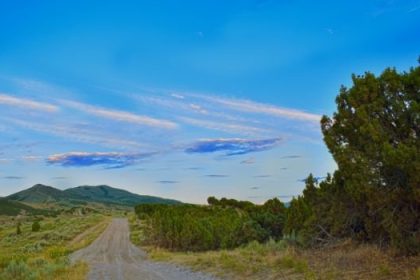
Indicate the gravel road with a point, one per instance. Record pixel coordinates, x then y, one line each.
113 256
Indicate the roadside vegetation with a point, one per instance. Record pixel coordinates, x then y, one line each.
225 224
361 222
37 247
282 260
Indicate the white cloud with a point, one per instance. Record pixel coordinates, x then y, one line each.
177 96
87 134
27 104
232 128
117 115
261 108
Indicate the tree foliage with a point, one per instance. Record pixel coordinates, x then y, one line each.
375 193
225 223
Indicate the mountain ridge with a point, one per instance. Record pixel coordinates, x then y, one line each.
104 194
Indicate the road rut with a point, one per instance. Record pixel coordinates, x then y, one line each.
113 256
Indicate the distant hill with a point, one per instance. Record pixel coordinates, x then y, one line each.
12 208
106 194
41 194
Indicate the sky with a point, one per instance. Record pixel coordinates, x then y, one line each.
185 99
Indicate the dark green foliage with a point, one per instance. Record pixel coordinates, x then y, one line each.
36 226
374 195
12 208
84 194
227 223
108 195
18 230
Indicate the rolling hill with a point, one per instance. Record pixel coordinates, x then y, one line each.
41 194
106 194
12 208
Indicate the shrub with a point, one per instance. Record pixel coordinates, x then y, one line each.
17 270
225 224
56 252
18 230
36 226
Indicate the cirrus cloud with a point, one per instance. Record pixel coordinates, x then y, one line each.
27 104
117 115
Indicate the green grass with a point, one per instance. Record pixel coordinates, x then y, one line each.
13 208
44 254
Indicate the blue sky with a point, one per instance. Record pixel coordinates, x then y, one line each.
184 99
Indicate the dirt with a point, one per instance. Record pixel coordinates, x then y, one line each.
113 256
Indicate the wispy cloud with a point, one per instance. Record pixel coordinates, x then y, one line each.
80 133
31 158
122 116
235 146
262 176
13 177
262 108
27 103
248 161
194 168
217 175
178 96
231 128
292 156
107 159
168 182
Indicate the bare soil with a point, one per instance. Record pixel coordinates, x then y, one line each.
113 256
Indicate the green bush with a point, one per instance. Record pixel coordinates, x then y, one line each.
36 226
18 230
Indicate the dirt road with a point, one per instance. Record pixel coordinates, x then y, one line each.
113 256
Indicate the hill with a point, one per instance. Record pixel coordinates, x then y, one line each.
42 194
12 208
106 194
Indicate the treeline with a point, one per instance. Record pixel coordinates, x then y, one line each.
224 224
373 196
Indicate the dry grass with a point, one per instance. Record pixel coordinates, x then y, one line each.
85 238
347 260
277 260
43 254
